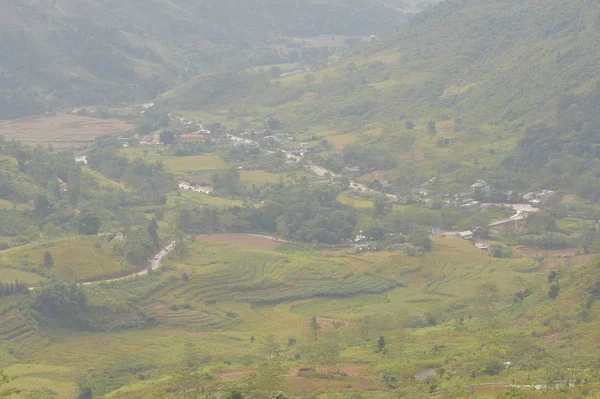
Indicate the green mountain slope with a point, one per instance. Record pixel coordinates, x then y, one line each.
482 71
66 51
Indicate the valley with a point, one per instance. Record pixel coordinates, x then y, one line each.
319 199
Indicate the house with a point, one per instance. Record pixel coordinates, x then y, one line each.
482 246
192 137
150 140
352 169
423 192
465 235
480 187
199 189
82 160
63 184
538 198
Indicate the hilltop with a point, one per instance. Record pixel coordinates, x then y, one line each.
94 52
458 92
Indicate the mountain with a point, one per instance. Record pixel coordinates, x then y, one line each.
478 76
57 52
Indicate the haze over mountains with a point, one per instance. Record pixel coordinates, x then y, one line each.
63 51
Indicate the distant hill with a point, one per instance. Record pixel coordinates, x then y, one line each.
481 73
68 51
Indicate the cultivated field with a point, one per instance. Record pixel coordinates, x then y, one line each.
247 240
233 295
9 275
201 198
198 163
262 177
62 129
86 257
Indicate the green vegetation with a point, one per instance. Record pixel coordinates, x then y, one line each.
122 52
331 277
182 165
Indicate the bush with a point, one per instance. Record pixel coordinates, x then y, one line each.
553 290
494 367
501 251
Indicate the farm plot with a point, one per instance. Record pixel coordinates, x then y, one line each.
81 258
262 177
198 163
62 129
247 240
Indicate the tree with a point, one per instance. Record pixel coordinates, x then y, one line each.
50 230
62 302
167 137
89 224
553 290
314 326
380 345
274 124
270 347
85 393
42 205
268 379
48 260
431 128
488 293
153 230
381 206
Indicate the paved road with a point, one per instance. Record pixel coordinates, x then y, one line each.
155 264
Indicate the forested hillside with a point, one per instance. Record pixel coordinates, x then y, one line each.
72 52
457 87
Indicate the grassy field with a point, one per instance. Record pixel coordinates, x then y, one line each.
5 204
7 275
183 165
102 180
62 129
89 257
355 202
201 198
262 177
222 306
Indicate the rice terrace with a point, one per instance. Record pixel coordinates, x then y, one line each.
300 199
62 129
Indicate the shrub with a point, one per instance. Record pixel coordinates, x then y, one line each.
553 290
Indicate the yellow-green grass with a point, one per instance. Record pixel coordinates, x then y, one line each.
450 274
202 198
198 163
8 275
89 257
5 204
355 202
339 141
144 153
262 177
103 180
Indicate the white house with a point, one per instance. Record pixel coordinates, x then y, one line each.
465 235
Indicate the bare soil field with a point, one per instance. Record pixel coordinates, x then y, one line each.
63 129
248 240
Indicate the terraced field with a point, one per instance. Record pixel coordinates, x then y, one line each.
19 333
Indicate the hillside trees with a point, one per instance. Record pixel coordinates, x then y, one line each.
140 244
61 303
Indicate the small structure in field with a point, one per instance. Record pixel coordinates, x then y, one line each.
482 246
465 235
